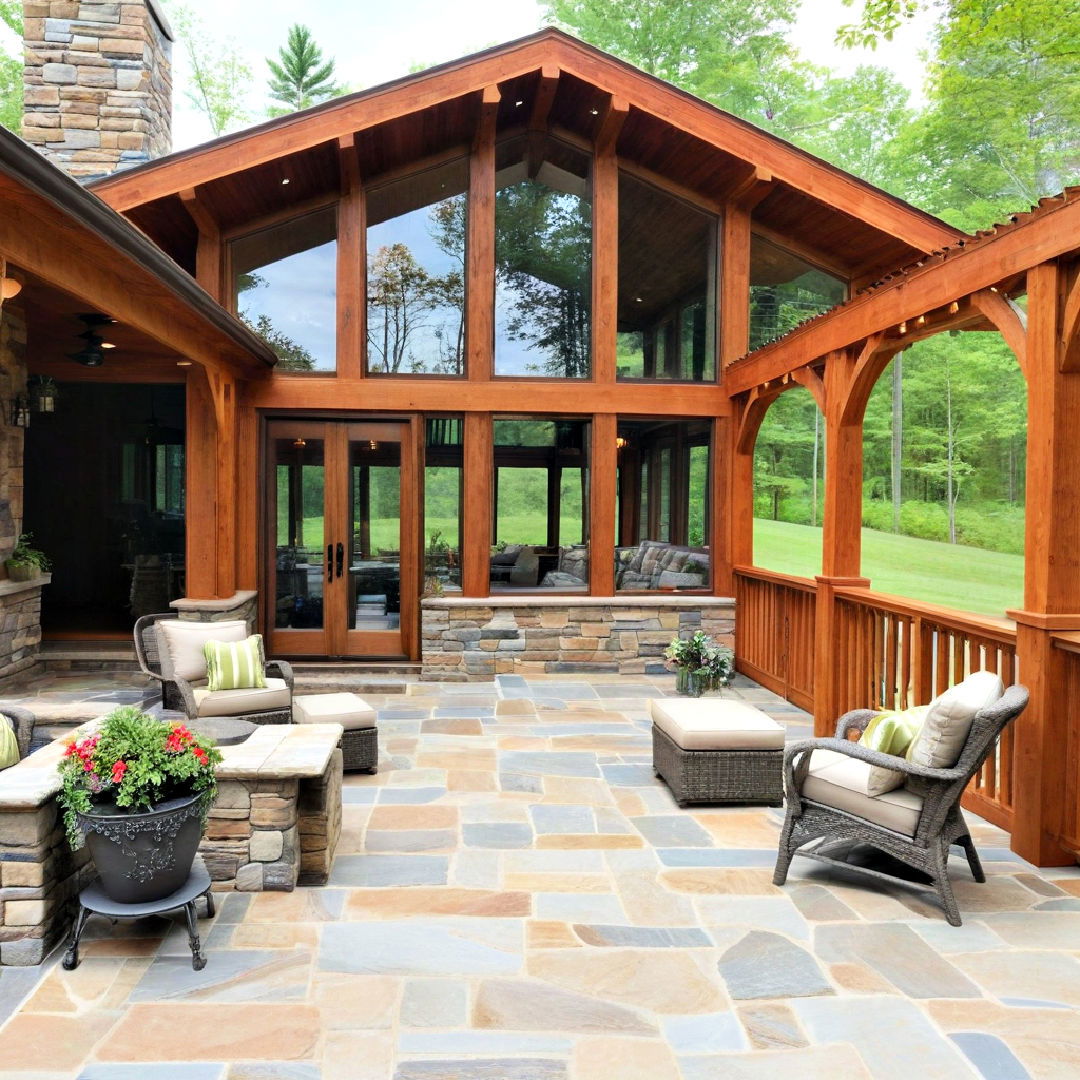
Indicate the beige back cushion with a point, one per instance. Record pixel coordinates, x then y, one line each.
182 644
948 720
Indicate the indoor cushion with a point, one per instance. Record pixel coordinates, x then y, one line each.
841 782
891 733
948 720
716 724
181 644
351 711
235 665
274 695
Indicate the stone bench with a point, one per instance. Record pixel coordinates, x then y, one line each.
360 739
710 750
275 824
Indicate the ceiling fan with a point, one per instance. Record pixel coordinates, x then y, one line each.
92 353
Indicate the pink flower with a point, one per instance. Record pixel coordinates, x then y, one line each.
118 771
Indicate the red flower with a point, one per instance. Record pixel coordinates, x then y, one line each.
200 755
118 771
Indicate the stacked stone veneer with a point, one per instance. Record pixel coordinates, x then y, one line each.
40 879
467 639
274 834
97 83
20 602
242 605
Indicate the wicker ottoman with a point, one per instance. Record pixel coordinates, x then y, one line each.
360 740
708 750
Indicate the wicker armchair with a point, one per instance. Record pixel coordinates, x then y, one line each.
936 800
179 695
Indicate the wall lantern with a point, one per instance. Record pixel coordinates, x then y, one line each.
621 443
43 393
9 288
18 412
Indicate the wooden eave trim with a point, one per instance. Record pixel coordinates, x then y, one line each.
954 276
546 50
99 226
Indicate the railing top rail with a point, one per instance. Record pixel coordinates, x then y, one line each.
986 626
759 573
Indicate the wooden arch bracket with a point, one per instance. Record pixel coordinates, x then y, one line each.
1009 319
1070 322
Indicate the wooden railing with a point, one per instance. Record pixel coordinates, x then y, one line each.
887 653
774 632
891 653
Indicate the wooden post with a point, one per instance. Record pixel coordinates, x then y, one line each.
1051 579
841 540
477 511
734 284
351 266
200 504
480 246
604 464
605 269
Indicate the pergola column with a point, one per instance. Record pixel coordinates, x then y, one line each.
841 540
1051 580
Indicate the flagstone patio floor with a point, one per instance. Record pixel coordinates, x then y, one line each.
517 897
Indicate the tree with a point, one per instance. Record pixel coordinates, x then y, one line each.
1002 127
11 69
300 78
291 355
879 19
219 76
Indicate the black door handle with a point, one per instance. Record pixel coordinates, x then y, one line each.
340 559
329 562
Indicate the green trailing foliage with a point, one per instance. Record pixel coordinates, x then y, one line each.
11 68
131 764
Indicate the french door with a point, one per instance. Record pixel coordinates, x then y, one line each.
342 538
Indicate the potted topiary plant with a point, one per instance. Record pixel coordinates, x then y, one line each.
699 663
138 791
26 563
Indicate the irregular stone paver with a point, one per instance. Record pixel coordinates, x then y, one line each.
517 897
766 965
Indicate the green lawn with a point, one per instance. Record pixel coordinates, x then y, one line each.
952 575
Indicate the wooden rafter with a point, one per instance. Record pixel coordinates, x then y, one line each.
546 88
348 163
1070 323
609 123
749 188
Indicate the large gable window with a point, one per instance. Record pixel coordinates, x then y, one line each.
416 273
667 286
285 287
543 259
786 290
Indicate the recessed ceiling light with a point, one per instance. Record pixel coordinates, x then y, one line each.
518 104
183 363
285 181
595 112
638 300
107 345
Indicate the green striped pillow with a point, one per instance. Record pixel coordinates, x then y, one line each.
235 665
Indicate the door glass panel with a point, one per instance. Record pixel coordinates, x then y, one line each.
374 594
300 564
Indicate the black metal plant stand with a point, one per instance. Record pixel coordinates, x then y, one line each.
93 901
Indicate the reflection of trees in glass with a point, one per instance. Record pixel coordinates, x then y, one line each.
543 269
776 309
407 303
291 355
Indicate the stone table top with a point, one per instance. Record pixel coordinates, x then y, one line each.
273 752
281 752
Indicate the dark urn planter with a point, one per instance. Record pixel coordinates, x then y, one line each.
145 856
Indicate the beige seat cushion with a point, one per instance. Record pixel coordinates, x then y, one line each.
841 782
349 710
948 720
716 724
181 644
274 695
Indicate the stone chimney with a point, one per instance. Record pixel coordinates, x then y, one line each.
97 83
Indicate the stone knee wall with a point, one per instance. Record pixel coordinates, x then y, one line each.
319 823
476 639
243 605
40 879
251 836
